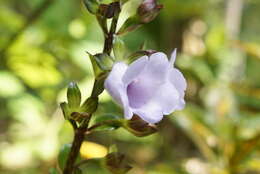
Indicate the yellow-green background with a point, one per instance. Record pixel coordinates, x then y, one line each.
218 51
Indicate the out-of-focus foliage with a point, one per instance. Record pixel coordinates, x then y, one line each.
217 133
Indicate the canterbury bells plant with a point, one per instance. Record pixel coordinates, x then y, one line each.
150 87
147 89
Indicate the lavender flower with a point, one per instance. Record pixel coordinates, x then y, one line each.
150 87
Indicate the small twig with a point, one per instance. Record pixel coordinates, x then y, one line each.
108 45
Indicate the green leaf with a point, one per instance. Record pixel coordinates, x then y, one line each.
90 105
63 155
91 5
108 122
53 171
73 95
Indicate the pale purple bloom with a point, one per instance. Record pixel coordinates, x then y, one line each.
150 87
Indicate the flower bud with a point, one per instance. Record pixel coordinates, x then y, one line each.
79 117
116 163
139 128
119 48
148 10
73 95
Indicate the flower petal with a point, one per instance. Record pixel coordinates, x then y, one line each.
179 82
135 69
117 89
173 57
151 112
156 68
141 88
167 97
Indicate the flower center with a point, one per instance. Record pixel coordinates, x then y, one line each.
138 93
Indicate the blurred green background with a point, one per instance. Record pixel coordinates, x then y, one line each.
42 49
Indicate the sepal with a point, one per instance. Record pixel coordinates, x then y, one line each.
139 128
90 105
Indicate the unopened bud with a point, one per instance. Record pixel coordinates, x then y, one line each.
73 95
148 10
116 163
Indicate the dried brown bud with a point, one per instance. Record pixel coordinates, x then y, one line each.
148 10
139 128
